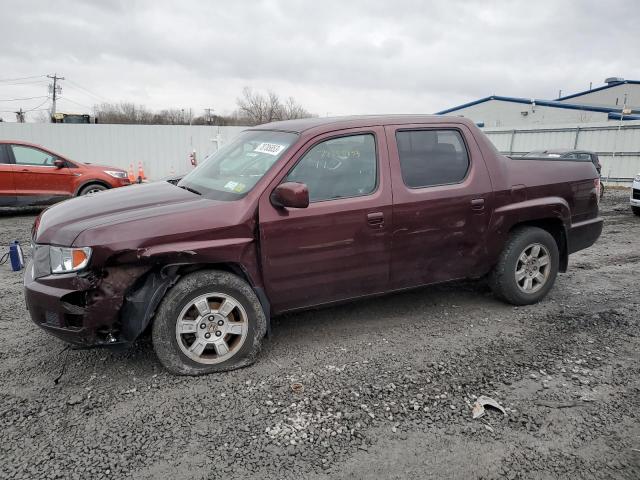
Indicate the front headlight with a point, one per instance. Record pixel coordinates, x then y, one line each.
637 178
64 260
116 173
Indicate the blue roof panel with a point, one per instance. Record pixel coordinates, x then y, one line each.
604 87
544 103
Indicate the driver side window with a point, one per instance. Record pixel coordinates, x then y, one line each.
338 168
31 156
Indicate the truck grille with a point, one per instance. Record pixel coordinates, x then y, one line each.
636 194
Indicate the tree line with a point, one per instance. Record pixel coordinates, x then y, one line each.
253 108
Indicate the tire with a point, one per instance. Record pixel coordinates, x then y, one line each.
241 329
91 188
503 277
636 211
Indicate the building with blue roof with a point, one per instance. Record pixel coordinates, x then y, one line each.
617 100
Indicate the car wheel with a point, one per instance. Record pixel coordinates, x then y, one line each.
636 210
527 267
92 188
210 321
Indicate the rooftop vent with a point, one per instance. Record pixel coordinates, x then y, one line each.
611 80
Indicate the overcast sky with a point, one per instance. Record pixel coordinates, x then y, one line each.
334 57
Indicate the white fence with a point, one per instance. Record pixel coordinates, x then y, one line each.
162 149
617 144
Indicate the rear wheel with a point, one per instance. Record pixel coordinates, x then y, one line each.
636 210
211 321
527 267
92 188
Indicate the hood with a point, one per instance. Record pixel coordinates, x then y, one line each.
132 217
95 166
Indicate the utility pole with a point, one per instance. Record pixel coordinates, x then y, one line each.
20 116
55 91
208 117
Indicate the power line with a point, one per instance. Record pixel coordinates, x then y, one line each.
80 87
35 109
29 82
38 107
77 103
24 98
20 78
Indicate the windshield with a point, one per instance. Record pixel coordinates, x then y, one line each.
234 170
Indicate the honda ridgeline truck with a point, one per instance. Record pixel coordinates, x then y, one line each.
302 213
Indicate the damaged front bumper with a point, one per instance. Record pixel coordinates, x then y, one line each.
84 309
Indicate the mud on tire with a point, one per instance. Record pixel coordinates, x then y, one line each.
208 289
503 278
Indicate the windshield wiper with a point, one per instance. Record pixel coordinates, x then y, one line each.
192 190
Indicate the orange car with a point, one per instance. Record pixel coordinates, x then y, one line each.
32 175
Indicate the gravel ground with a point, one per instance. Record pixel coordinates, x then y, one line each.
387 387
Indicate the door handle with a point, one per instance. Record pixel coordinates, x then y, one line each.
375 219
477 204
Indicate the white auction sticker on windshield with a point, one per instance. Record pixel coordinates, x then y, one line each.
270 148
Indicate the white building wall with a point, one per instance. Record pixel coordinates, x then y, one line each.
162 149
498 113
617 144
610 97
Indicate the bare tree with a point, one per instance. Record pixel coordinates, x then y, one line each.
257 108
42 117
138 114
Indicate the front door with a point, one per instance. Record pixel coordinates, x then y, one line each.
339 246
7 187
441 205
37 178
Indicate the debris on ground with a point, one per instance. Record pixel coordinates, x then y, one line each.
482 402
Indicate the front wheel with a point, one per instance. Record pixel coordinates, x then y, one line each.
92 188
211 321
527 267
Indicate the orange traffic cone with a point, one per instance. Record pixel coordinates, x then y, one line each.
132 178
140 173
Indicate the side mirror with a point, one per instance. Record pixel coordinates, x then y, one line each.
290 194
59 163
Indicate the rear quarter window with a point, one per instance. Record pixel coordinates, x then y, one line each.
432 157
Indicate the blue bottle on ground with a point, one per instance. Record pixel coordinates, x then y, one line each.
15 253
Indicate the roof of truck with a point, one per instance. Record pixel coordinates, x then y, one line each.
300 125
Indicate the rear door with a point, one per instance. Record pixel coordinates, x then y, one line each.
339 246
7 186
441 204
37 178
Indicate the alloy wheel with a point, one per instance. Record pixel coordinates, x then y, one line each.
212 328
533 268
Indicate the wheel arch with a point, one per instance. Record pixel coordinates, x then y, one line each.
556 227
144 296
93 181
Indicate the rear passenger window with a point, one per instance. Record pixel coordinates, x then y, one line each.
338 168
432 157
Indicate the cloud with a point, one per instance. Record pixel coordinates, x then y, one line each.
333 56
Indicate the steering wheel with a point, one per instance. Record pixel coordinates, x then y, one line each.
246 167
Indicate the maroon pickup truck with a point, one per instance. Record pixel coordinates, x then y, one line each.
297 214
